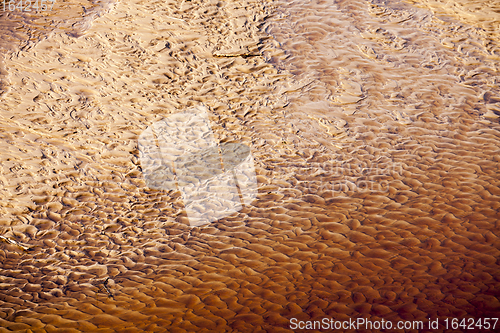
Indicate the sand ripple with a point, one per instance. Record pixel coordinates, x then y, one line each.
374 131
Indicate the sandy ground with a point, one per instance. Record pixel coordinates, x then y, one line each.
377 166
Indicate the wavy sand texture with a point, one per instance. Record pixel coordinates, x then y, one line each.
375 145
20 30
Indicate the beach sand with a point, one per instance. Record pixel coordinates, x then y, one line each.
374 131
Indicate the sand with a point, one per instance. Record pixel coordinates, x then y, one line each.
374 131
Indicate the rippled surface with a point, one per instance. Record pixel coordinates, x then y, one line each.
374 131
22 29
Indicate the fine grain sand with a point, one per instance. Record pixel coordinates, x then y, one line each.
374 130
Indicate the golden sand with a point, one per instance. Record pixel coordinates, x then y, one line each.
374 130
